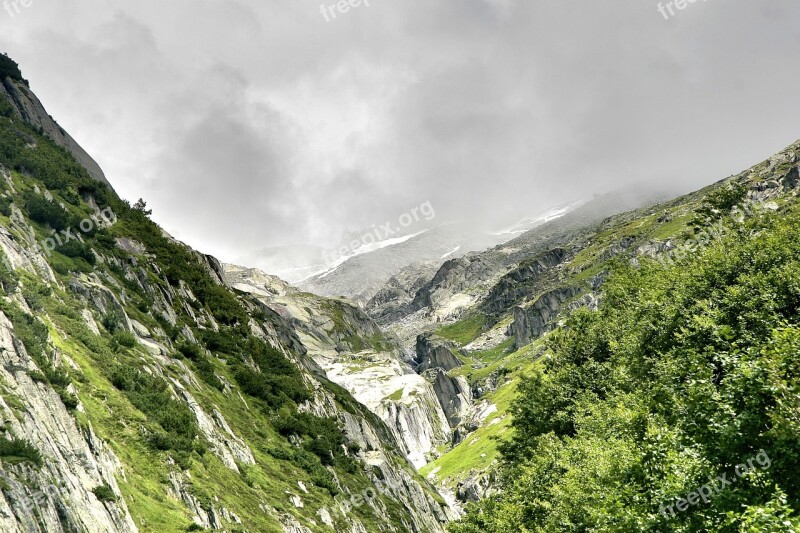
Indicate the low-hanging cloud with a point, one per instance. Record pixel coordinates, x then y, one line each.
247 124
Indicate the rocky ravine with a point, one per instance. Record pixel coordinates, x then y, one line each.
353 352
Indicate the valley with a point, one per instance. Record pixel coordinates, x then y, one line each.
419 386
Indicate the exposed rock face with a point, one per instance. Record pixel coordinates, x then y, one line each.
445 294
417 420
349 348
533 321
395 299
477 486
28 108
486 385
434 353
61 495
517 284
454 394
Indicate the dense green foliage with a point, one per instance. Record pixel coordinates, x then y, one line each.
46 212
683 374
104 493
176 426
19 450
9 69
718 203
276 381
204 367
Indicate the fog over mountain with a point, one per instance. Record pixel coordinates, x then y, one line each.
257 124
415 266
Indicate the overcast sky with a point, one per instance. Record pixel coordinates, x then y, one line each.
246 124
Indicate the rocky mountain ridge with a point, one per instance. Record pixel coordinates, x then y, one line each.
139 393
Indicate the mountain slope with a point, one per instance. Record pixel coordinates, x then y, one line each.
139 393
509 315
674 406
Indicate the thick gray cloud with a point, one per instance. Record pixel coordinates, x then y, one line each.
251 123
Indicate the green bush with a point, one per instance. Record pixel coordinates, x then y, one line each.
5 205
65 265
76 249
104 493
19 450
124 338
204 367
177 427
10 69
6 109
46 212
719 203
9 280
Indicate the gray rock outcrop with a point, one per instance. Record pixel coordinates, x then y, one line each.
532 321
27 107
432 352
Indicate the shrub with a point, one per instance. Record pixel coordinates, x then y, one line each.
104 493
46 212
9 280
204 367
10 69
5 205
76 249
19 450
718 203
111 322
177 427
124 338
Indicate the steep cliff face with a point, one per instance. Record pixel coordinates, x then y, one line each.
521 282
27 107
432 352
139 393
534 320
454 394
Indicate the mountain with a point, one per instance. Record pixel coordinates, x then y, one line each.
650 377
362 271
290 263
530 322
19 102
416 300
140 392
628 363
354 353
